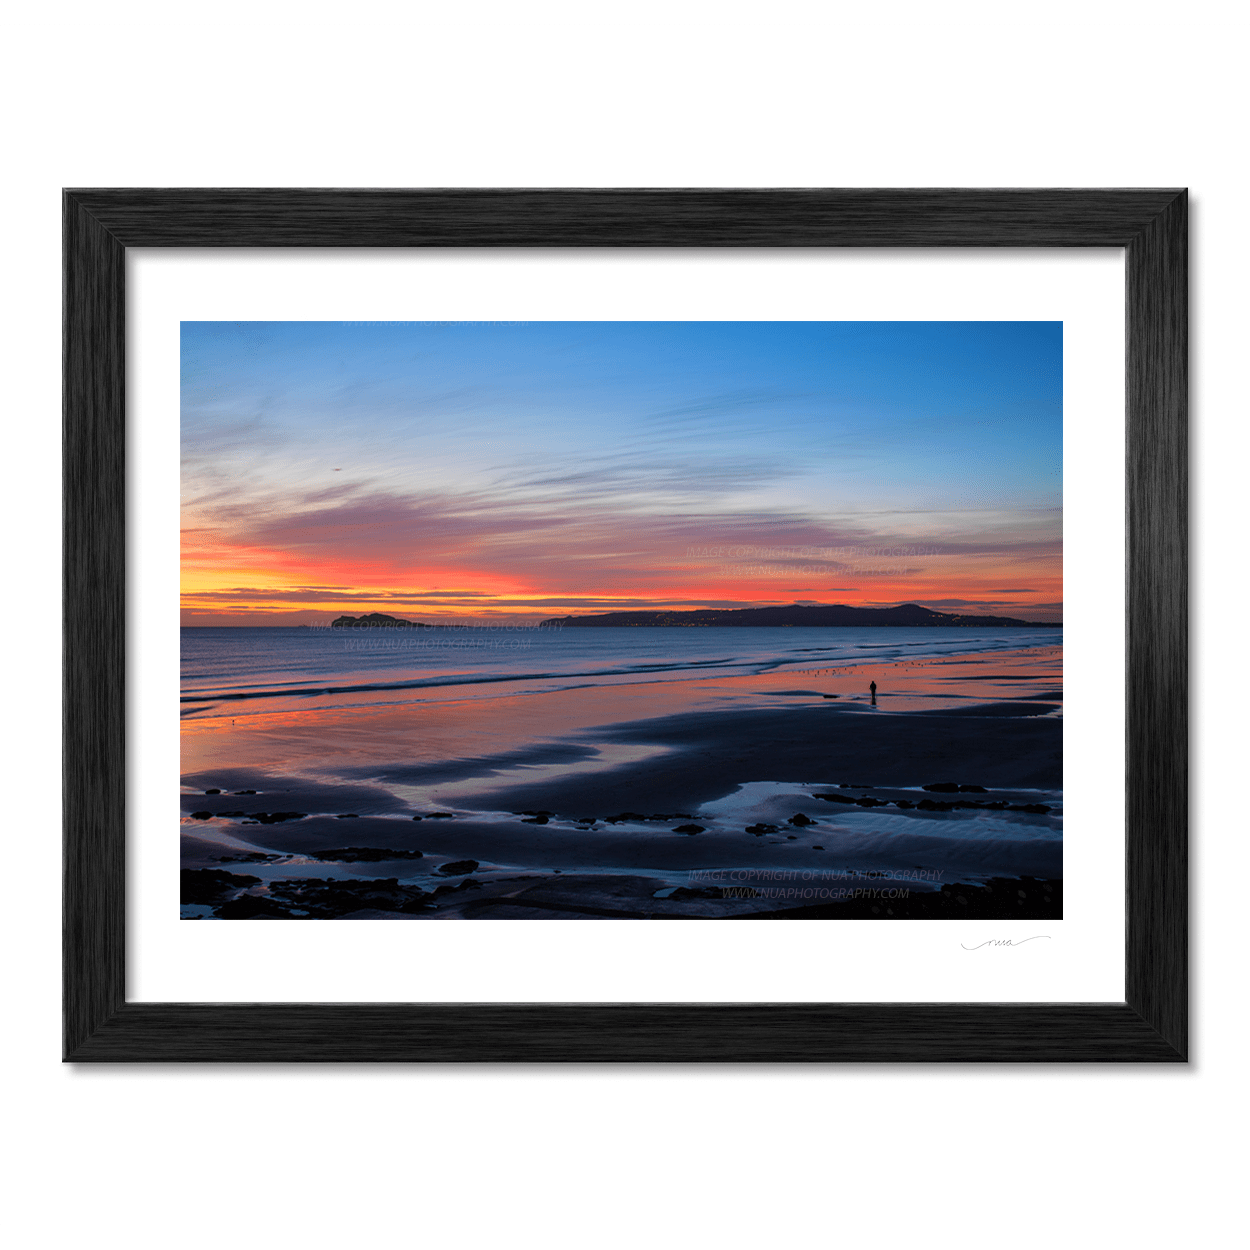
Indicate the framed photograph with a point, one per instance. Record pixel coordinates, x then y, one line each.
610 556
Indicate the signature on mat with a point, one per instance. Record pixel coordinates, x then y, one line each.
1004 942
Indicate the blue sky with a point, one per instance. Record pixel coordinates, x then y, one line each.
381 458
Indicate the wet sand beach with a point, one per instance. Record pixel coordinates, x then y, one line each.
723 796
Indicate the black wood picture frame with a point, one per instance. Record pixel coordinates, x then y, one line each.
1150 1025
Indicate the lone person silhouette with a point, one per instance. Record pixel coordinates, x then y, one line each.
872 687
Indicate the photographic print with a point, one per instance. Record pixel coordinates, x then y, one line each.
635 620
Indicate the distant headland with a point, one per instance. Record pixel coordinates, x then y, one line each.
832 614
376 620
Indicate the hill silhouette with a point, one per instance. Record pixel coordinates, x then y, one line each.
826 614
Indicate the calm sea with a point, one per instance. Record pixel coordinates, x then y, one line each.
289 668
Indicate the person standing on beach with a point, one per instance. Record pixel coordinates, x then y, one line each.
872 688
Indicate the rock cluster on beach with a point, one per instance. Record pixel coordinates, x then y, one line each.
999 898
458 867
260 818
308 898
324 899
934 805
237 896
209 885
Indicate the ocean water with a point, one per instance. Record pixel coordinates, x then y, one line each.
247 671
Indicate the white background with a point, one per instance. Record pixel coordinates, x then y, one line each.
913 94
1082 959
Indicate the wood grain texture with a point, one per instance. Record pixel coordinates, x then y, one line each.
935 217
1150 1026
1157 797
626 1033
94 623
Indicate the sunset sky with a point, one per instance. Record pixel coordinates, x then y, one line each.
528 470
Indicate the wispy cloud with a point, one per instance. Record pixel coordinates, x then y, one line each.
567 466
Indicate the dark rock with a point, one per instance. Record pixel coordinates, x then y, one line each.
252 857
349 816
212 791
245 792
871 802
690 829
201 815
362 855
942 787
326 898
1021 898
818 848
973 790
467 884
416 818
761 830
536 820
928 805
274 818
209 885
1037 809
458 867
904 804
800 820
440 815
834 798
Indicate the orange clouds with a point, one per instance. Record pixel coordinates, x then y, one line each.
468 555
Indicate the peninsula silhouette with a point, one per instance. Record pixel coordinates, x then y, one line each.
826 614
